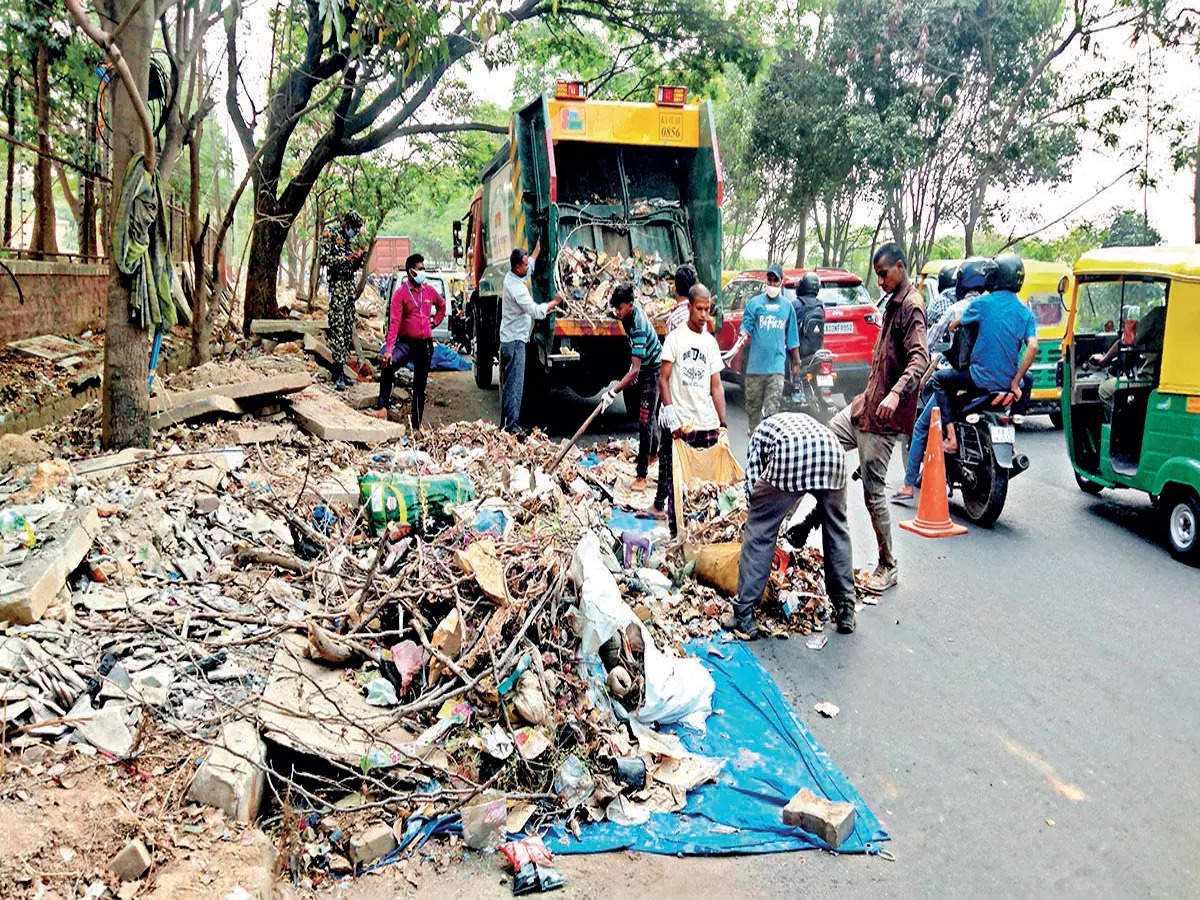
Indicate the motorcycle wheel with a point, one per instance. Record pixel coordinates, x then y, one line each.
983 501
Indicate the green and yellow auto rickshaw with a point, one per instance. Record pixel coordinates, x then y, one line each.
1131 381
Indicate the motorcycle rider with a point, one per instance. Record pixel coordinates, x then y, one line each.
1004 323
810 314
947 293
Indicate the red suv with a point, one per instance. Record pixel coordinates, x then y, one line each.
851 321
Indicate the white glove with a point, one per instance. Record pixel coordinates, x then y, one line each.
733 351
669 418
607 398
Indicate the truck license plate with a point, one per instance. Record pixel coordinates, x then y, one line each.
1003 434
839 327
824 381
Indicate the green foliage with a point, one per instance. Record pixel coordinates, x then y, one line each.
1129 228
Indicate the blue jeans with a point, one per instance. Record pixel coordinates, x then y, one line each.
916 448
941 386
512 382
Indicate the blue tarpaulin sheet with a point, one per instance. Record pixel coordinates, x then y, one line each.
769 755
445 360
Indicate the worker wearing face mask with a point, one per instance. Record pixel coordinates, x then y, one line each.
343 252
769 324
416 308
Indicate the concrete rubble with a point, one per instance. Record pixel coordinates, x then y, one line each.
333 626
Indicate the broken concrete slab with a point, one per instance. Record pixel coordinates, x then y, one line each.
45 570
105 729
110 461
310 707
131 862
831 822
376 841
361 395
232 777
320 349
289 326
328 418
194 409
239 390
341 487
48 346
258 434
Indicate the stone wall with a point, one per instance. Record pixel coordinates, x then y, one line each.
60 298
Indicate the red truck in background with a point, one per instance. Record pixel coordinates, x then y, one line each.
851 321
389 254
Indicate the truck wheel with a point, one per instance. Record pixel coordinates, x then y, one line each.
1181 520
1056 419
483 353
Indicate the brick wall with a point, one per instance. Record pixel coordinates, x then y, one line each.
60 298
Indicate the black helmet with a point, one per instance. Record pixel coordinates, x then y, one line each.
974 275
809 286
947 277
1010 273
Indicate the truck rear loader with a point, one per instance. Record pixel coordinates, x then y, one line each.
616 177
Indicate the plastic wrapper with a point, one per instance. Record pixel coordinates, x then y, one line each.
573 782
412 499
535 878
483 822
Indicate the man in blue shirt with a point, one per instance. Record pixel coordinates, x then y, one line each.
644 364
769 324
1004 324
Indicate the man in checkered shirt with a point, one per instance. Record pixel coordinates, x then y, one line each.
790 455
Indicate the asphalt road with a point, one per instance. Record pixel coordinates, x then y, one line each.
1022 712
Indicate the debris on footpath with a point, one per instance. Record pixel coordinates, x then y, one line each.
330 649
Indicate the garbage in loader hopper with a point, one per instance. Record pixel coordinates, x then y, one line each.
586 278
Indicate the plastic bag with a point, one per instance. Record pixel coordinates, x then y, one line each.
689 465
717 564
483 822
412 499
573 782
677 689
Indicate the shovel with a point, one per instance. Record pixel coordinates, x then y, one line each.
578 434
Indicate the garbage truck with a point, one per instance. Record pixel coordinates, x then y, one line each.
622 179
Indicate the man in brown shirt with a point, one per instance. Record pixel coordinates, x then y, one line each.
876 418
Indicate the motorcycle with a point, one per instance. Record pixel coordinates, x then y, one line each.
987 457
811 391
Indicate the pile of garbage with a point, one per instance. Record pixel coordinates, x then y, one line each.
367 643
586 278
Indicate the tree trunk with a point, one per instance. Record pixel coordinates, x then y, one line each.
802 242
45 240
971 224
314 272
262 270
10 115
1195 194
126 347
201 316
290 248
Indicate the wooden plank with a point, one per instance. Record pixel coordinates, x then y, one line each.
241 390
289 326
327 417
49 346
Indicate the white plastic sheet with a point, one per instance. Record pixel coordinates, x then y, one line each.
677 689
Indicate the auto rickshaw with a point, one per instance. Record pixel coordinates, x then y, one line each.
1131 381
1047 291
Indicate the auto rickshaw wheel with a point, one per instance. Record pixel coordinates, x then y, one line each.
1088 487
1181 510
1056 419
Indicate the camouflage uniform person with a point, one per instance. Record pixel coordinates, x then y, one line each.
342 256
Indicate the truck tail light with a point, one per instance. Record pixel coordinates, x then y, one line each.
570 90
667 95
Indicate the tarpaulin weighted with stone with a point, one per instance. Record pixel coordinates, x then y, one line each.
769 755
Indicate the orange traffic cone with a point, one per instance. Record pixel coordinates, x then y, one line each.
933 508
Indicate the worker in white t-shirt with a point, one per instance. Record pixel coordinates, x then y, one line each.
693 399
